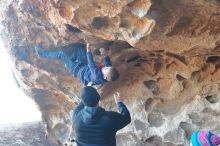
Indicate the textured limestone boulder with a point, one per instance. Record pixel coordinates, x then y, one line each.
167 53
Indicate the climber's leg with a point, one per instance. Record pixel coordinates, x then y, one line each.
69 64
76 52
81 55
50 54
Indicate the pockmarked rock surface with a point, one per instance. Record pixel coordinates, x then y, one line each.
26 134
167 53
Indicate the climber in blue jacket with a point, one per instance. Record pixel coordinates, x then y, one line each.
81 64
93 125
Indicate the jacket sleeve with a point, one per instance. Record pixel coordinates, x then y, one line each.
92 65
107 61
95 71
90 60
123 118
77 110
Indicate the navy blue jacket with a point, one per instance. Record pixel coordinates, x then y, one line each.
91 72
96 127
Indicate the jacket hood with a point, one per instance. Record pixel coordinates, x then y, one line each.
92 114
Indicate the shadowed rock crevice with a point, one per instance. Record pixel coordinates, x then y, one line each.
156 119
99 22
139 125
188 129
212 99
180 78
149 104
73 29
152 86
179 57
213 59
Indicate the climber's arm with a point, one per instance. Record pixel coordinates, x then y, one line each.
92 65
124 117
107 61
105 52
77 110
90 60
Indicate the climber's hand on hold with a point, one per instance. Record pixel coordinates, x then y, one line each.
104 51
88 48
117 97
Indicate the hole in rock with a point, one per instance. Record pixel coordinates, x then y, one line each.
178 57
124 23
139 62
155 119
158 51
115 44
118 46
217 48
133 58
156 90
149 104
184 84
175 136
212 99
196 118
180 78
139 125
155 140
99 22
157 66
72 29
150 84
152 54
188 129
26 72
210 111
195 74
39 24
213 59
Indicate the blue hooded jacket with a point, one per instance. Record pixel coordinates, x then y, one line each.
91 72
96 127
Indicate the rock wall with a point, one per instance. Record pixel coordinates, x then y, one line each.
167 53
32 133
